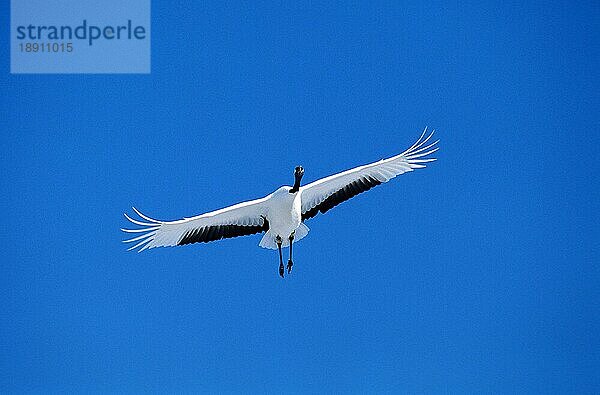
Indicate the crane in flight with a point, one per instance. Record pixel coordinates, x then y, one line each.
280 215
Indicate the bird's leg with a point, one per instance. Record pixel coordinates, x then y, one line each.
278 241
290 263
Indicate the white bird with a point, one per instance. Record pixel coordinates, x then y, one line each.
281 215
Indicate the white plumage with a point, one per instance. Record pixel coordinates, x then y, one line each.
280 215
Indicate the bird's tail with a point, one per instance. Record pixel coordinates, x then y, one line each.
268 240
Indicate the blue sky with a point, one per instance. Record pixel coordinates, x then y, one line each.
478 274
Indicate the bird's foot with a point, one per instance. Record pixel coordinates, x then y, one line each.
289 266
281 270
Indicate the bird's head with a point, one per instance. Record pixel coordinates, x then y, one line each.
298 173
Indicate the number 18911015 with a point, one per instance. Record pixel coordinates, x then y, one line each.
46 47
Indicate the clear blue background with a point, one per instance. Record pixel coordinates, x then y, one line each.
478 274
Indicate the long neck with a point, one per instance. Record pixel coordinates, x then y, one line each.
296 186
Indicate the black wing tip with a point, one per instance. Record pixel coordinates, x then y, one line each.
354 188
217 232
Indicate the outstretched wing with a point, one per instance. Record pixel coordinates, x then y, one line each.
239 220
326 193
